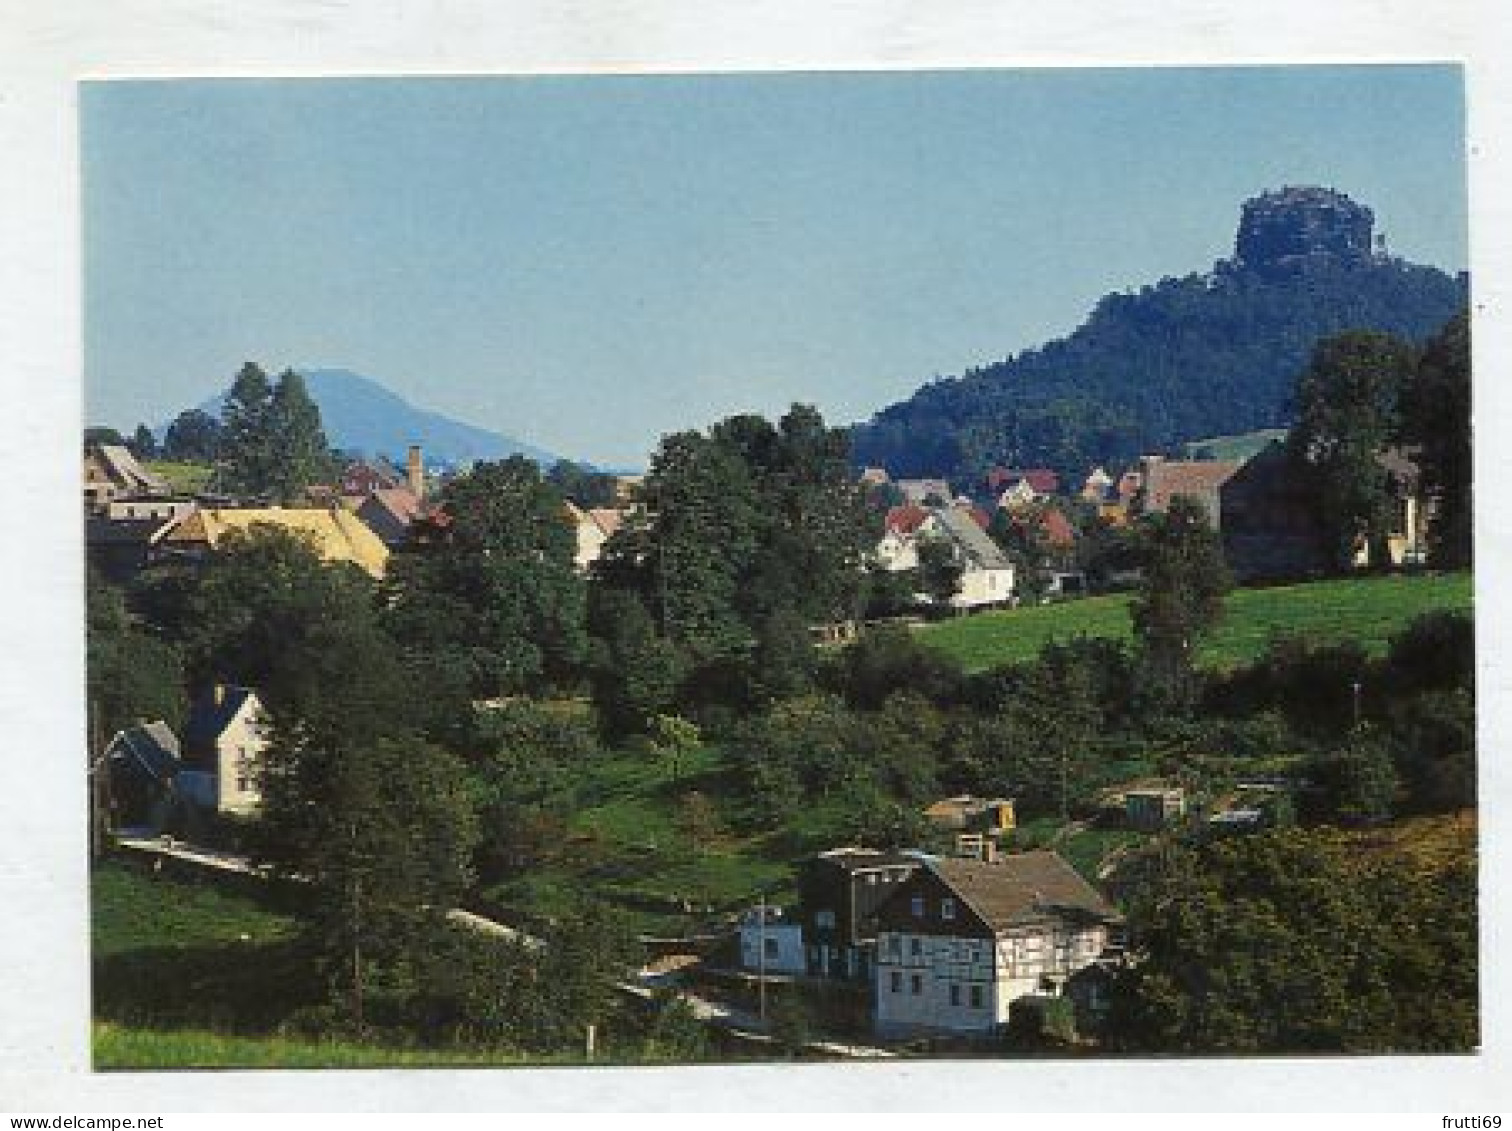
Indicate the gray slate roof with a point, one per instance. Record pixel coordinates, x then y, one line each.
1022 888
978 549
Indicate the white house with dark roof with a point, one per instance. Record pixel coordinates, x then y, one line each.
223 747
986 571
961 940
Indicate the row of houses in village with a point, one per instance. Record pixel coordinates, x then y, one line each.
134 518
1263 507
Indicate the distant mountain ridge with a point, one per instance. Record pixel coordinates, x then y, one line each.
1214 354
360 415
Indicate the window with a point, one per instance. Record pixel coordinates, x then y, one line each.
895 982
770 946
955 994
895 946
915 947
916 984
916 905
976 997
947 908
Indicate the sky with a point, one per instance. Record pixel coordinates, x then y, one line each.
588 262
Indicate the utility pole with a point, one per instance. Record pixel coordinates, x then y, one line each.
761 914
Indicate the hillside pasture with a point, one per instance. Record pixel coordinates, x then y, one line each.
1366 610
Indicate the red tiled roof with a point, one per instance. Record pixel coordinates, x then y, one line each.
1042 479
905 519
399 502
1058 529
1195 479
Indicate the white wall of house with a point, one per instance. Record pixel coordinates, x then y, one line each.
935 983
238 756
782 942
981 587
898 552
948 984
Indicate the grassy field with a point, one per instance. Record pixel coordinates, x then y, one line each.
650 838
1369 610
185 477
124 1047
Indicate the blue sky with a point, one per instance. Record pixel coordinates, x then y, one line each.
588 262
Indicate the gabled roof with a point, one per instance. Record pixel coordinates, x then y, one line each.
905 519
1196 479
978 549
400 503
1041 479
606 519
152 748
124 469
861 859
339 535
1022 888
212 713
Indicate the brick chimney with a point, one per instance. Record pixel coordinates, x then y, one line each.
415 469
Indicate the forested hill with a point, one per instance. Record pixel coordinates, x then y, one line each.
1203 355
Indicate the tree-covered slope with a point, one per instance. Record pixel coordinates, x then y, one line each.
1203 355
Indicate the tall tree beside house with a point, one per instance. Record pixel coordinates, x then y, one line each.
1436 421
143 443
940 570
295 434
194 436
496 588
702 526
814 528
380 828
133 676
247 459
1347 414
1180 598
268 613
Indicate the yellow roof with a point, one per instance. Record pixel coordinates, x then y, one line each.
339 535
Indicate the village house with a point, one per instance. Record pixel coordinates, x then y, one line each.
593 527
1015 490
224 742
898 548
925 492
337 535
390 512
1163 480
111 472
961 940
977 825
771 942
139 765
839 892
362 477
1097 487
986 571
1272 530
